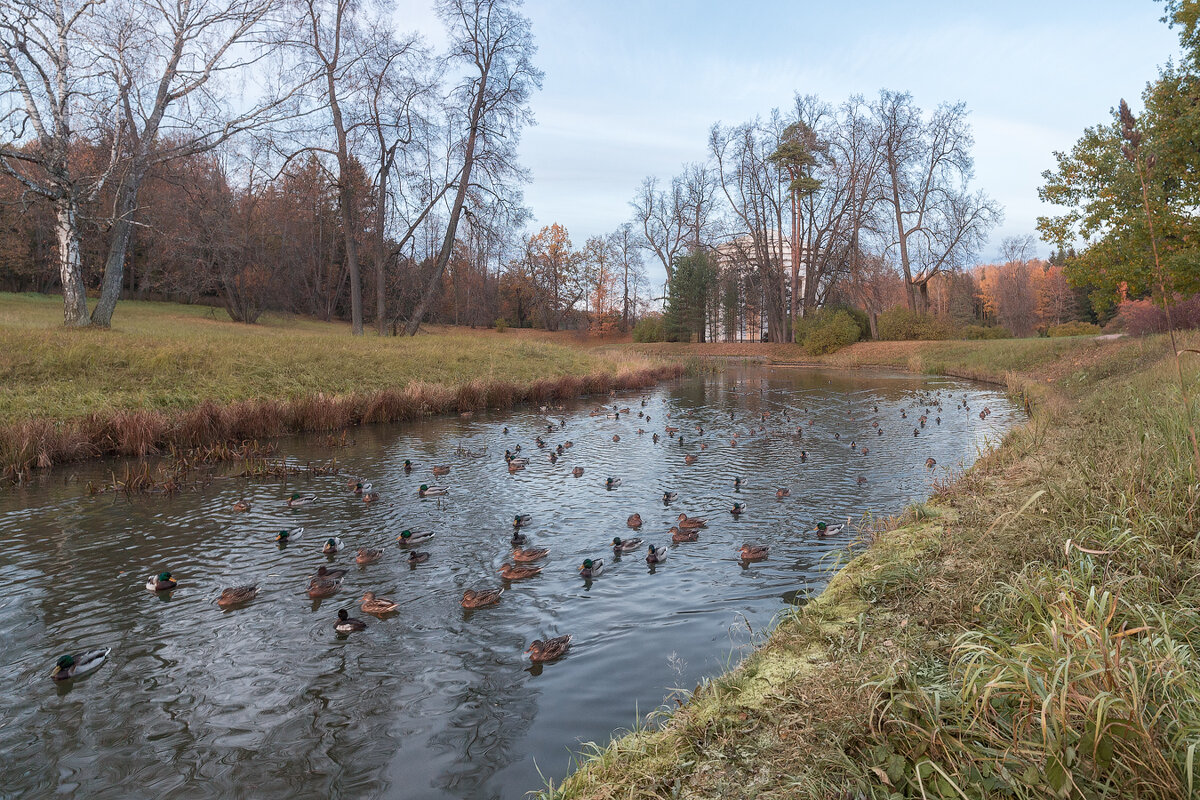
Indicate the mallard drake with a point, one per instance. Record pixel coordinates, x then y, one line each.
235 595
298 499
163 582
754 552
678 536
782 492
930 463
670 497
442 469
634 521
377 605
79 664
241 505
737 483
288 535
368 555
656 555
689 459
473 598
625 545
356 487
414 537
824 531
323 587
550 649
689 523
332 545
521 520
738 508
591 568
408 465
577 472
612 483
530 554
518 538
432 491
348 624
511 573
418 557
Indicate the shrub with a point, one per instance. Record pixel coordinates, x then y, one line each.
650 328
1140 317
501 325
985 332
825 331
1073 329
902 324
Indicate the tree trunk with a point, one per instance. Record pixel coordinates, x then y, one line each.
791 332
66 229
118 247
381 254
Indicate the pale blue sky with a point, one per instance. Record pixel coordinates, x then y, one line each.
631 88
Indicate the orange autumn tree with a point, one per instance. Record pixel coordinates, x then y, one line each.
603 279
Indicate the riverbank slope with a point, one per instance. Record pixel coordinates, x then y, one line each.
169 375
1029 632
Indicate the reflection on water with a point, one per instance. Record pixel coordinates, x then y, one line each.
266 701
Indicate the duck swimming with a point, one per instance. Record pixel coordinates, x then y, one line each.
479 598
550 649
521 520
656 555
511 573
347 624
418 557
670 497
377 605
688 523
824 531
754 552
431 491
678 536
634 521
591 568
577 472
79 664
324 587
530 554
931 462
241 505
782 492
414 537
443 469
289 535
235 595
163 582
518 538
625 545
368 555
298 499
738 508
612 483
332 545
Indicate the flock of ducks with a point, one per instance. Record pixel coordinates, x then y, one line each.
327 582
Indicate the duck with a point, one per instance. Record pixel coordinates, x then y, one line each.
368 555
356 487
408 465
432 491
754 552
347 623
591 568
441 469
862 480
418 557
670 429
738 508
930 462
530 554
78 664
518 538
324 573
625 545
241 505
550 649
236 594
612 483
369 496
521 520
678 536
670 497
298 499
323 587
377 605
163 582
737 483
515 466
656 555
803 456
689 523
824 531
689 459
288 535
616 437
332 545
634 521
511 573
478 598
407 537
577 472
782 492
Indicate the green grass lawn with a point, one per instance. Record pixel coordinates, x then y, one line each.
168 357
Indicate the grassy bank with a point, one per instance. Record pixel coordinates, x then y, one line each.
1031 632
169 374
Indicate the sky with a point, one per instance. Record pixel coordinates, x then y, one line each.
631 88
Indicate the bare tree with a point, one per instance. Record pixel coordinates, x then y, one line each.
1016 297
49 77
937 223
662 216
495 43
627 248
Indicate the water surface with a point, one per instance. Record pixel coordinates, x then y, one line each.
266 701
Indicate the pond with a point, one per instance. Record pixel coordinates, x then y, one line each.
265 700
